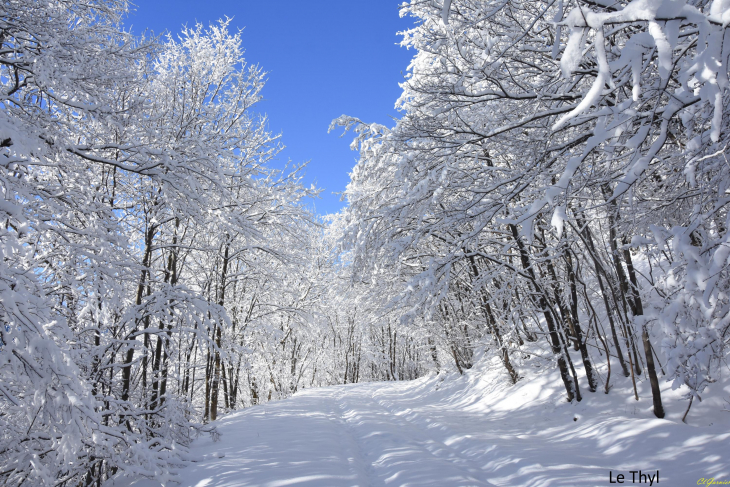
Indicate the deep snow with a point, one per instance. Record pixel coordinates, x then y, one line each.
471 430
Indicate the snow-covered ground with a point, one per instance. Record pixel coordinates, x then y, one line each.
457 431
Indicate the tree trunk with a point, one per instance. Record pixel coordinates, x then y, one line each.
587 365
127 368
609 314
217 361
494 328
570 386
656 394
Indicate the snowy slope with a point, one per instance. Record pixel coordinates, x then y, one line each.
471 430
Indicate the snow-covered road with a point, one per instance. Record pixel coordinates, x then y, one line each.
453 433
334 436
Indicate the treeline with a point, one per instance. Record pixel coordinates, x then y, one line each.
558 177
557 180
155 272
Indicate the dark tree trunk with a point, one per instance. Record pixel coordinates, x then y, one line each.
127 368
650 366
214 388
587 365
494 328
570 386
592 251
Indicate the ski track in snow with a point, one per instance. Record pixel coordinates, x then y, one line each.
459 432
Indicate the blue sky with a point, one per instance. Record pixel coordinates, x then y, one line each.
325 58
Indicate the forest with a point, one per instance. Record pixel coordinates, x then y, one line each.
555 188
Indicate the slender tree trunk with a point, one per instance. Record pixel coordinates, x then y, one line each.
208 377
434 353
217 361
127 368
587 365
494 328
649 357
609 314
570 386
225 389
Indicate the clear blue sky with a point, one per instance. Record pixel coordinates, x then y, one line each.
325 58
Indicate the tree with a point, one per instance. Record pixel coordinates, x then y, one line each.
530 134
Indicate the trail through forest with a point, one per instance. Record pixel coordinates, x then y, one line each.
467 431
540 240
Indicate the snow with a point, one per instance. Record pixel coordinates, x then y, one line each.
720 11
464 430
604 76
664 49
558 220
142 219
445 11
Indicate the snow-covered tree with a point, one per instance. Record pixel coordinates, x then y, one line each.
134 184
546 156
